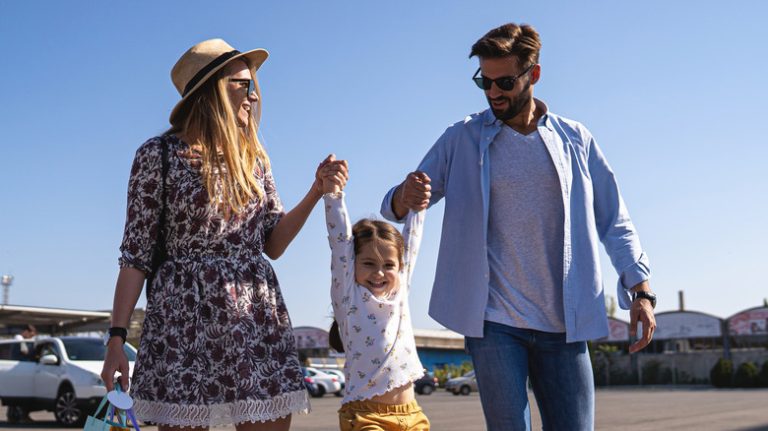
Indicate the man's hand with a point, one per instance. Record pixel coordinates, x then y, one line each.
413 194
641 311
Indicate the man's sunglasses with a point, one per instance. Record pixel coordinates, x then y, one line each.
241 85
505 83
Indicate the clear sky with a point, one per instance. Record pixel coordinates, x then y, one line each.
674 92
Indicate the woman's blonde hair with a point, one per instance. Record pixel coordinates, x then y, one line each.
230 154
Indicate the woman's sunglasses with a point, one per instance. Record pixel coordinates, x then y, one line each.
505 83
241 85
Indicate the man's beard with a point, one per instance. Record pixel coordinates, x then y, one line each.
514 105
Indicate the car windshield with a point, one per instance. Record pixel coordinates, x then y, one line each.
470 374
90 349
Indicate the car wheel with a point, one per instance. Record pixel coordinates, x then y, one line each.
426 390
320 392
464 390
15 414
65 409
339 393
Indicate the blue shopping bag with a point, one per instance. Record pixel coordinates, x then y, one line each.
119 405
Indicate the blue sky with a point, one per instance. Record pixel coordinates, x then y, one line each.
674 92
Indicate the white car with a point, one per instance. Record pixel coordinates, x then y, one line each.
59 374
341 377
326 383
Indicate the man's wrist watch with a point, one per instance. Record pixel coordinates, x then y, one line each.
647 295
115 332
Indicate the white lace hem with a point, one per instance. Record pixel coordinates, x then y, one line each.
222 414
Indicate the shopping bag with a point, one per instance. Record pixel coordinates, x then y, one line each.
119 409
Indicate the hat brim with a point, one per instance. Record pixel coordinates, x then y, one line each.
255 59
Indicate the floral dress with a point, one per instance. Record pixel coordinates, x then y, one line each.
217 345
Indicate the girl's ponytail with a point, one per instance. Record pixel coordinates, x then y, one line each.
334 338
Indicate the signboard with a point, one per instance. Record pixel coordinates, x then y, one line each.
681 325
308 337
749 322
617 330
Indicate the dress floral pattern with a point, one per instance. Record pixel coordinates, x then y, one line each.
217 344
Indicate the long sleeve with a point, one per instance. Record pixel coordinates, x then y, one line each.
342 246
615 228
412 232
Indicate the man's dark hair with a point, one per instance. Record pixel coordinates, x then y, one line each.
521 41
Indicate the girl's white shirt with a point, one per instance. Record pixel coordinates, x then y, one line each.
376 332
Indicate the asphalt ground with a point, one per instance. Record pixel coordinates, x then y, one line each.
632 409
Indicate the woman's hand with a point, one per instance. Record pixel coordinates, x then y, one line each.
335 175
115 360
331 173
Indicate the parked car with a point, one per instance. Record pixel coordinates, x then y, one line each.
425 385
326 383
341 377
58 374
462 385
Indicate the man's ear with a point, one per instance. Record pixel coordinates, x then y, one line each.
535 73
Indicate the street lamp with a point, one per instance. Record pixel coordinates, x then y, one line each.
7 280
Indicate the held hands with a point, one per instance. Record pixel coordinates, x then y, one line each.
332 175
115 360
642 311
414 192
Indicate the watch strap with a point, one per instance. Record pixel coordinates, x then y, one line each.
645 295
118 332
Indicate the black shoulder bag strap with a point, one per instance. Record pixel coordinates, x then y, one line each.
160 254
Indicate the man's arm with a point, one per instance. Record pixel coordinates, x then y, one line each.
622 244
415 194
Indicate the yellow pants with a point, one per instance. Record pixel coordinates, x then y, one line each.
370 416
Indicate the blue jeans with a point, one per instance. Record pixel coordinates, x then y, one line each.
560 373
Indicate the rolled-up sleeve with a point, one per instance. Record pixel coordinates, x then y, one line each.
615 228
435 166
273 210
143 208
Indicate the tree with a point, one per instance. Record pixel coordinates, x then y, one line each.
610 305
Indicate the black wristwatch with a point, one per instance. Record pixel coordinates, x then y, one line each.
115 332
647 295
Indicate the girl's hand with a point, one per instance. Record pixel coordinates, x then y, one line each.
334 176
318 184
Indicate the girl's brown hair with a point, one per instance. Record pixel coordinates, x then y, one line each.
366 231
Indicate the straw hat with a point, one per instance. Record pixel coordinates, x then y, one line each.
202 61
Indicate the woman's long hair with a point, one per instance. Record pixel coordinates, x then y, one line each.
230 154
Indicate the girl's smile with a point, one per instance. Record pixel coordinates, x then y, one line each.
377 268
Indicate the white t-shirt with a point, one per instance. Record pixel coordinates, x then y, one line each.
377 333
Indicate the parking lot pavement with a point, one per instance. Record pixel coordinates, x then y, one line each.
632 409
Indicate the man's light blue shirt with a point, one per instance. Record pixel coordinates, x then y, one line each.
459 167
